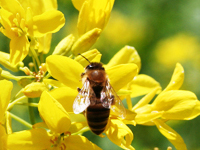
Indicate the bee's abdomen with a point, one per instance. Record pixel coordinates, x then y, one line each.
97 117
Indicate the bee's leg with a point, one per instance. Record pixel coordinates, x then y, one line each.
78 89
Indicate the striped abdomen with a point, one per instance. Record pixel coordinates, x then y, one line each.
97 117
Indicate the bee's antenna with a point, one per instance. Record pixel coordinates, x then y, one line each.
84 57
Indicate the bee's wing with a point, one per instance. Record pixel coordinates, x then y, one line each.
82 100
110 100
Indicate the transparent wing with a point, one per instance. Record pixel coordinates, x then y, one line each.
110 100
82 100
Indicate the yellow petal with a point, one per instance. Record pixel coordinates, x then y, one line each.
85 41
53 83
184 110
49 22
5 93
65 70
143 84
77 126
78 3
119 133
130 117
57 120
13 6
92 55
34 89
145 100
39 6
177 78
78 142
29 140
44 43
65 96
3 138
121 75
171 135
94 14
127 54
64 46
167 100
148 117
19 47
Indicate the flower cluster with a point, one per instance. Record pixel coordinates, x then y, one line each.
53 83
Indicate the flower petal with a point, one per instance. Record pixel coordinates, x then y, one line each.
171 135
13 6
57 120
19 48
65 69
167 100
145 100
92 55
78 3
78 142
143 84
77 126
3 138
65 96
50 21
119 133
94 14
177 78
121 75
29 139
148 117
184 110
127 54
5 93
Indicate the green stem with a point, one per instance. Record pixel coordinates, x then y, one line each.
31 111
20 120
34 54
28 104
10 106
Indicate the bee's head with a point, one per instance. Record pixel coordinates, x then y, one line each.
95 66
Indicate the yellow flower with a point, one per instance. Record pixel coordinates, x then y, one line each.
22 26
57 137
170 104
93 14
93 17
141 84
68 71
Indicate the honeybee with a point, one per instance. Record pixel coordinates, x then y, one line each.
96 98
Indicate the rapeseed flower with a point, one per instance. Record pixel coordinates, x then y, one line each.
68 71
58 135
23 25
93 17
170 104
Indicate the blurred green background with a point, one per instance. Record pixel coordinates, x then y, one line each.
164 32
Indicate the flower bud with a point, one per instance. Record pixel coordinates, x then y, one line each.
34 89
64 45
86 41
